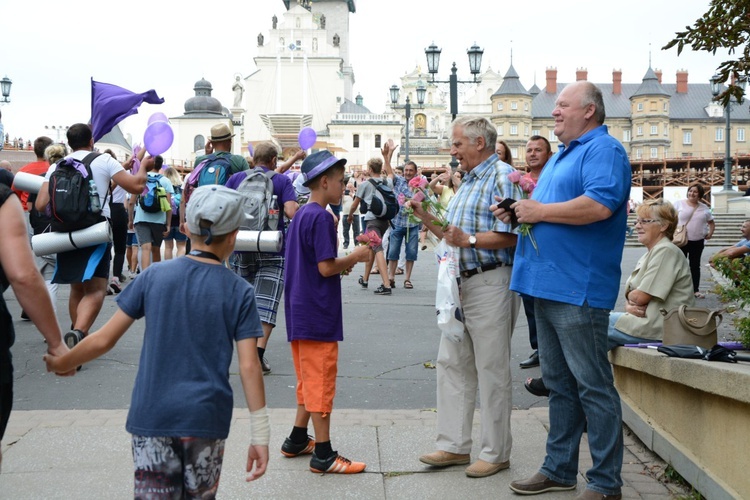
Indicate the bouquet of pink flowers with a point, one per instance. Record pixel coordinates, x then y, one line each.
527 186
369 238
418 186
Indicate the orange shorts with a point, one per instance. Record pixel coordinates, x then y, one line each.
316 366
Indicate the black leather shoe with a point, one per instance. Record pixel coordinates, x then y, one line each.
536 387
532 361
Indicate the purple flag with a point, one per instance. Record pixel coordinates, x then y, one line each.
111 104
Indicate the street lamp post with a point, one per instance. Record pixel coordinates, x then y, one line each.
475 63
60 131
421 90
716 90
5 84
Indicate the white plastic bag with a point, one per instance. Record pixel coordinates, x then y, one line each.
450 316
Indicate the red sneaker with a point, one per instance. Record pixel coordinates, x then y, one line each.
291 449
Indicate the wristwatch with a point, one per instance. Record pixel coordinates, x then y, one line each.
472 241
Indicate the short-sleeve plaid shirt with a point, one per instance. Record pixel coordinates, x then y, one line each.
401 186
469 210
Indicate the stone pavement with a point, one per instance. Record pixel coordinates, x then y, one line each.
86 454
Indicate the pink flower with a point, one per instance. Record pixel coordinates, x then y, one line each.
401 199
418 182
362 238
369 238
514 177
418 196
527 185
374 239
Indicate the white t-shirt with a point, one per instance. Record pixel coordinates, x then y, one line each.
104 167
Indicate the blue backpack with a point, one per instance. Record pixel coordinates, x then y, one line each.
176 199
151 202
214 170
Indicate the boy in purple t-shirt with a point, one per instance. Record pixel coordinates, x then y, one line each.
313 310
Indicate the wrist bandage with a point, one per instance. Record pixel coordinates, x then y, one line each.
260 427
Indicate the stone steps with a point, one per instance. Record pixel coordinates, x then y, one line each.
727 230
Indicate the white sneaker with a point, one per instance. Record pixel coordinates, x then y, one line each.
114 285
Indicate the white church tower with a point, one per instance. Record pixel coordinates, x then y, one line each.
303 73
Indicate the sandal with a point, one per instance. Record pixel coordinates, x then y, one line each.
375 271
393 283
399 271
536 387
407 284
699 295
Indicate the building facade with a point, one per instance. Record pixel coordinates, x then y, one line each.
304 77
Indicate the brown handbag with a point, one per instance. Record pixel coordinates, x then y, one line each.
680 234
691 326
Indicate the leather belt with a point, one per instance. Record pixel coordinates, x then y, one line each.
488 267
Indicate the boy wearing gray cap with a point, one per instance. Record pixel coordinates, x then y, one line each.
180 412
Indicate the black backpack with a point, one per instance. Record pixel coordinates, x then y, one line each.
40 221
384 204
70 195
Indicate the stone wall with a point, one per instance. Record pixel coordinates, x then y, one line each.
694 414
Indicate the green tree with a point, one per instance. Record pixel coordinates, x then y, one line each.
726 25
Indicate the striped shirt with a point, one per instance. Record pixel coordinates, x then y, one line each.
469 210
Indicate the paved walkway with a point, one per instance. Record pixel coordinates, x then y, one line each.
86 454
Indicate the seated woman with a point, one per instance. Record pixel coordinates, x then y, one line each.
661 280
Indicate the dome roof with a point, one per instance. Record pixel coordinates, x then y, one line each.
203 102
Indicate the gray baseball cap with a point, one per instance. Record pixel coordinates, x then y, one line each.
219 205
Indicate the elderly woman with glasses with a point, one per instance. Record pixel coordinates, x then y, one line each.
661 280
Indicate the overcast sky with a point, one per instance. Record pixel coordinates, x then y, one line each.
51 49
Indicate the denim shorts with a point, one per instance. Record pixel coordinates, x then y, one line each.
175 234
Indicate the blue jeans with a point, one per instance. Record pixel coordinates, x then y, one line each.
528 309
398 233
617 338
349 228
573 352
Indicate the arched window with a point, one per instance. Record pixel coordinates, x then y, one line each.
199 142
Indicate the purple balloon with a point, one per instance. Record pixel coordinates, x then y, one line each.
292 174
158 138
157 117
250 148
307 138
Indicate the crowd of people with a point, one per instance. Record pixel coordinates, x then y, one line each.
530 238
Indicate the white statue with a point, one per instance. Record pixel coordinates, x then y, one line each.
238 91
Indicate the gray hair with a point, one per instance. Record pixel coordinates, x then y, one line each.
475 127
593 95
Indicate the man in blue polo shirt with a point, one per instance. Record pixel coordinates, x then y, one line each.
579 213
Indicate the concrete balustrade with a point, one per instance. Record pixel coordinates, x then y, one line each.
694 414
